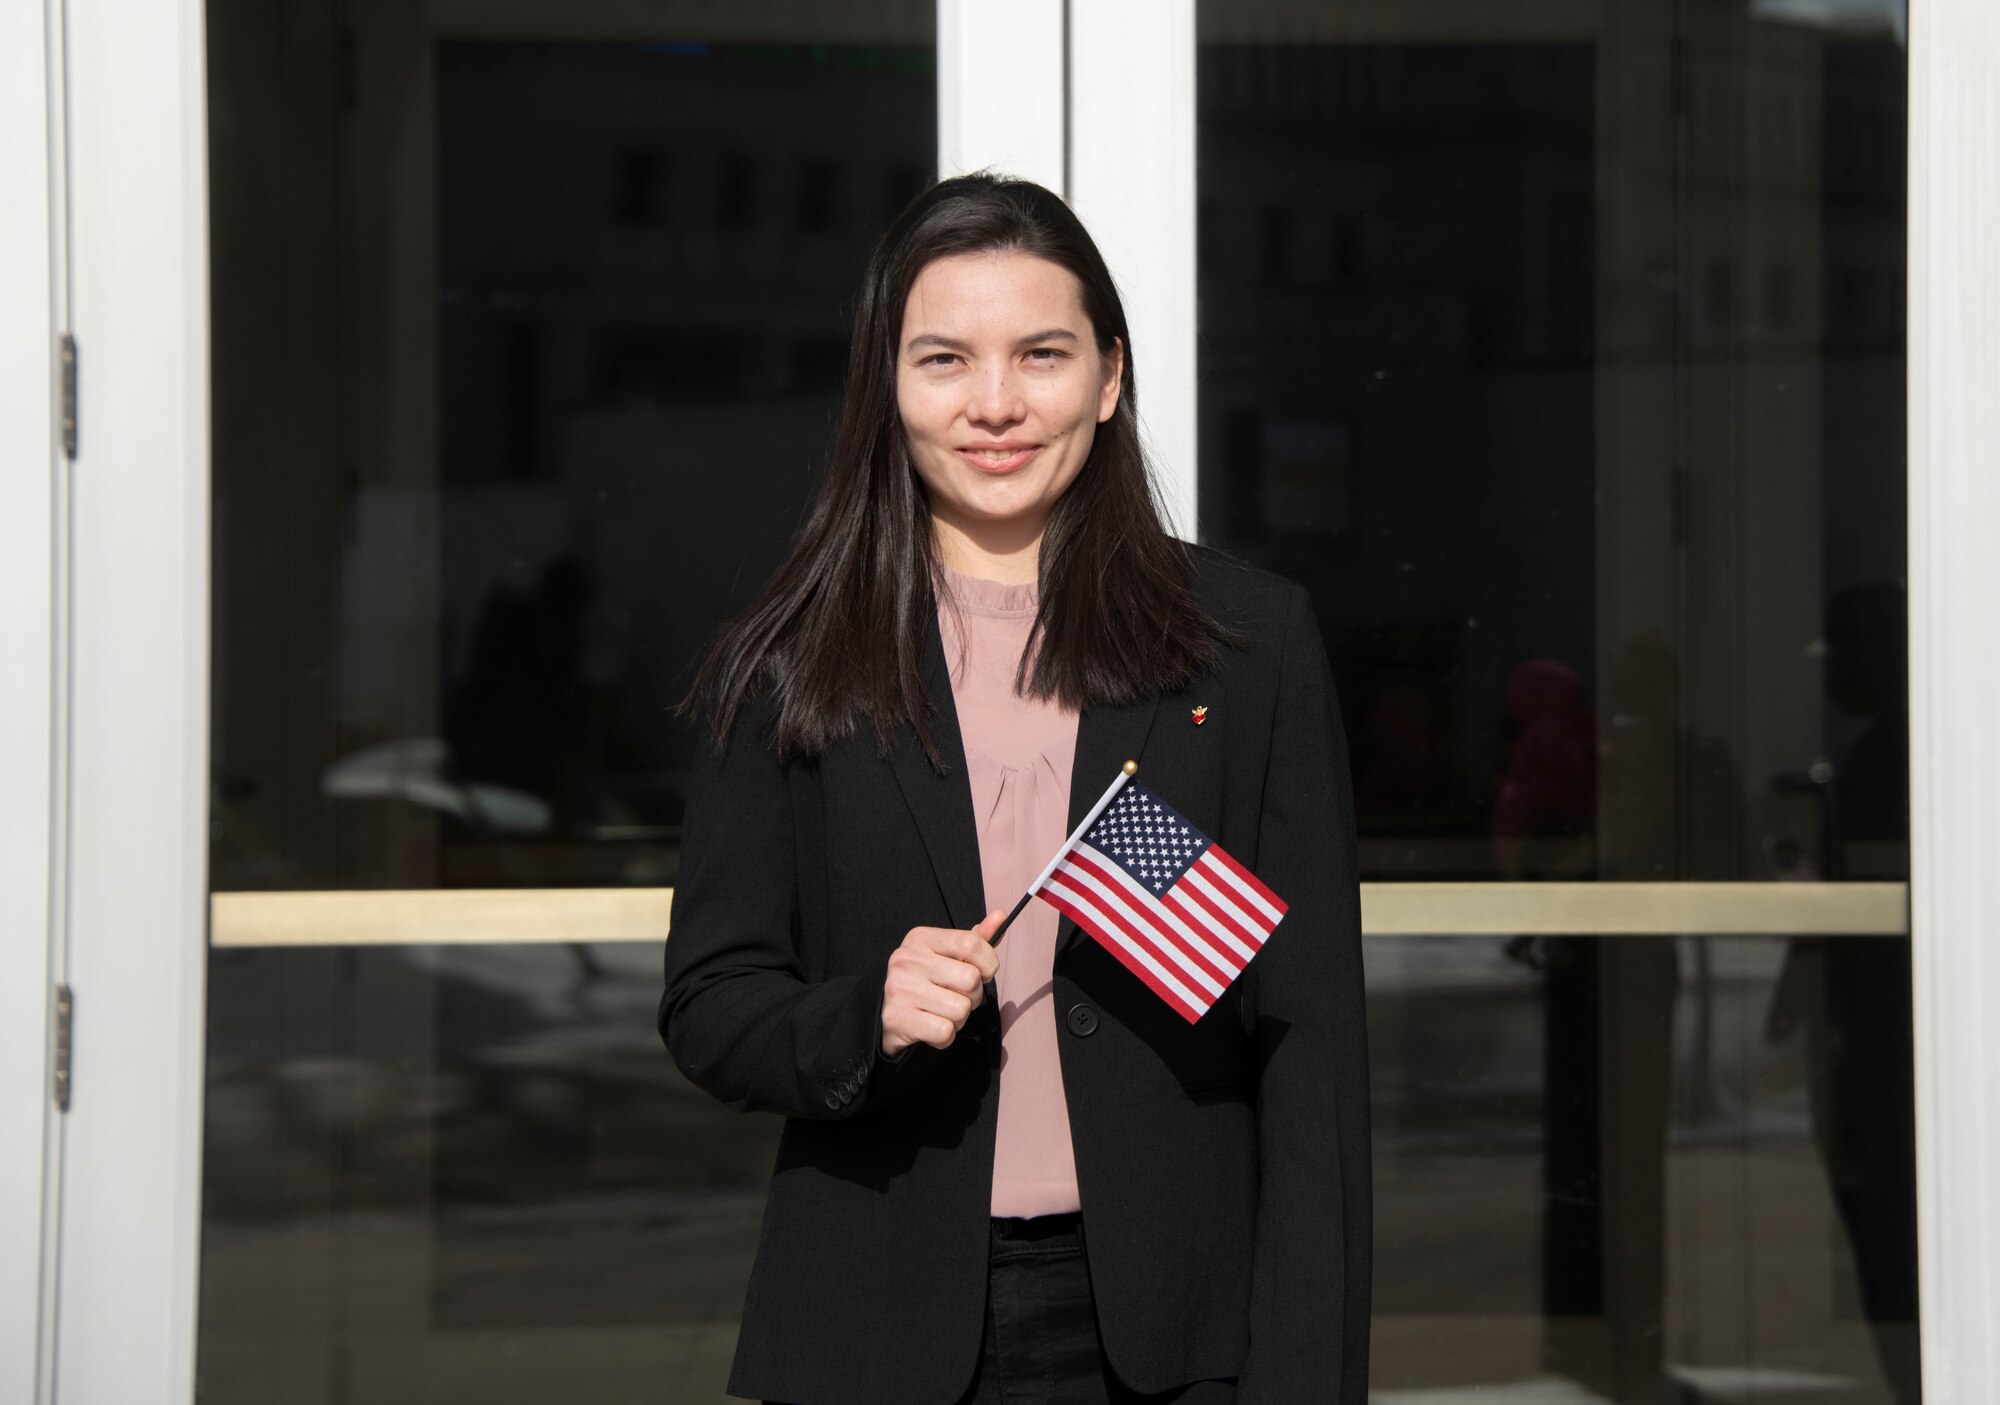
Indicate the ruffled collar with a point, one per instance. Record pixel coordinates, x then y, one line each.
973 595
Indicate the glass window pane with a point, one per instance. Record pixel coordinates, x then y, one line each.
435 1173
524 352
1643 1169
1558 350
529 326
1561 356
1603 1165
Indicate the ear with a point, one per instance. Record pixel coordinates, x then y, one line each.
1114 381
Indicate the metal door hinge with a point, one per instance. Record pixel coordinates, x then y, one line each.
59 1080
67 355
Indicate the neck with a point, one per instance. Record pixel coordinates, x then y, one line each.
1007 553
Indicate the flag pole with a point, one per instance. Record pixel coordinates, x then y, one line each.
1125 773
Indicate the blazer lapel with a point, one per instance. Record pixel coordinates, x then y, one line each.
942 802
1106 738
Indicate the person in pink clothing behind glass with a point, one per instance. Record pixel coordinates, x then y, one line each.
1011 1172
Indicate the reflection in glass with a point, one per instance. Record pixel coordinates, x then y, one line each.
1635 1170
1558 349
465 1172
1561 357
525 351
1607 1169
528 328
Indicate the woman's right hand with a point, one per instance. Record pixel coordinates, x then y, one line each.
937 978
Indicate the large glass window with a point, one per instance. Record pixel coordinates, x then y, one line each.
1562 360
1558 349
529 328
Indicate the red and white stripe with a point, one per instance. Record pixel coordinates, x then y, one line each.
1188 943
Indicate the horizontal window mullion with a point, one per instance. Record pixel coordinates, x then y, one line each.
500 916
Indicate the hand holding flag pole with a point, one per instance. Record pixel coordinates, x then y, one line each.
1125 773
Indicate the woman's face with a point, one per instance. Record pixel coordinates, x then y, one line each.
1001 388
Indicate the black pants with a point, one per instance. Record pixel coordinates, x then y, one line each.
1041 1345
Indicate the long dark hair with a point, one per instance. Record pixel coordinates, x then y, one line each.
838 635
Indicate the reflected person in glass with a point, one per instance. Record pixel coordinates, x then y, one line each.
1014 1163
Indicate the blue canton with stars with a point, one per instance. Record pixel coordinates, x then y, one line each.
1147 838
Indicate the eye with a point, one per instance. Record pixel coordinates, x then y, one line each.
1048 355
938 358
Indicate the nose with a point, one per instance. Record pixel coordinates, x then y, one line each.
995 399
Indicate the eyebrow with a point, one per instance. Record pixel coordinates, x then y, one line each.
932 339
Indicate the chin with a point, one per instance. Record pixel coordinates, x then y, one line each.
1006 513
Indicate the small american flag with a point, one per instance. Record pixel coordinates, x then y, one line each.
1165 899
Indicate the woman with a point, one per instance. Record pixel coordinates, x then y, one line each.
1012 1172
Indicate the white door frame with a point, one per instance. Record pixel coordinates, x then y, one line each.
31 284
1954 368
126 921
1098 105
1016 127
1132 181
123 917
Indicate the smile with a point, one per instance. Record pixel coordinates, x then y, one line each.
997 458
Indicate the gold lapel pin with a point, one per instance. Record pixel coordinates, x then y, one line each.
1201 714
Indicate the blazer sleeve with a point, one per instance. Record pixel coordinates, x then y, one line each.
738 1015
1310 1282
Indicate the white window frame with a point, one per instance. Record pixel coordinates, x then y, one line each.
1000 89
1123 156
1954 428
117 696
1132 155
31 283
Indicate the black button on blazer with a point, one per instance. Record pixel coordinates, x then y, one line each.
1223 1166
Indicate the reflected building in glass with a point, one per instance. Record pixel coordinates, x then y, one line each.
1557 348
530 331
1563 364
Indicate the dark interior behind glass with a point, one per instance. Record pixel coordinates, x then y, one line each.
527 341
1559 352
1556 347
1567 372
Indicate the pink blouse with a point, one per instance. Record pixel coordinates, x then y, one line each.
1018 752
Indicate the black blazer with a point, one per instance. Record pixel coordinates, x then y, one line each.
1223 1166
